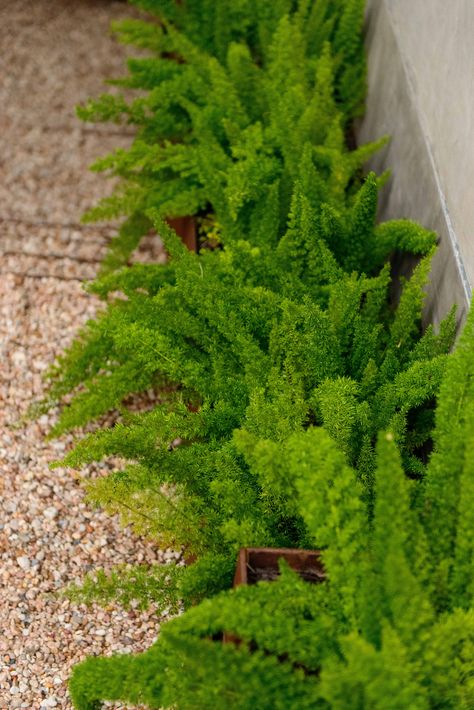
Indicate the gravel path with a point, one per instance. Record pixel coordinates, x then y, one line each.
54 53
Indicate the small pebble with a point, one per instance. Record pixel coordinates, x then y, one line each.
50 512
50 702
24 562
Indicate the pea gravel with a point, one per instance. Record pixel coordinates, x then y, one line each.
55 53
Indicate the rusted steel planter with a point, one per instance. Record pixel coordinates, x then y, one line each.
186 229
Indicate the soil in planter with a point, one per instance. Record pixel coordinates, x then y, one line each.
261 574
262 565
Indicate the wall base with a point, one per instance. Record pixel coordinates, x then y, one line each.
414 190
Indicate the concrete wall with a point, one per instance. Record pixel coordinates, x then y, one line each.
421 92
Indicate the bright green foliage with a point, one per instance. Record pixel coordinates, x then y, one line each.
367 637
127 584
449 483
236 679
348 44
259 98
251 352
164 586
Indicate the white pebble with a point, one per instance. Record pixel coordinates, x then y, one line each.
19 358
50 513
50 702
24 562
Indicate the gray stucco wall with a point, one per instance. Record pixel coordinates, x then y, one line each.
421 92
